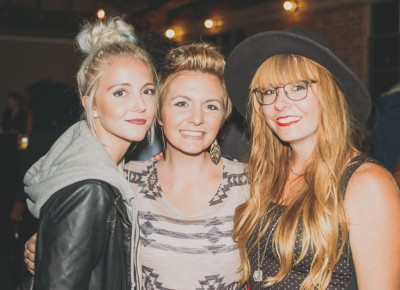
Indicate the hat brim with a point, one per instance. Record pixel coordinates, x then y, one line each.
247 56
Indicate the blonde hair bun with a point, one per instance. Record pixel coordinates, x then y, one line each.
94 36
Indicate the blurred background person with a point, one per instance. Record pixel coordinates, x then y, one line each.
53 108
386 128
14 117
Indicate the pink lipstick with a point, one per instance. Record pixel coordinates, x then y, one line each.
137 121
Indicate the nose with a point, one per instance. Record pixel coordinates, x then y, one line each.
282 101
137 103
196 116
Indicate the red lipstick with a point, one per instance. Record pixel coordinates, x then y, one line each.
286 124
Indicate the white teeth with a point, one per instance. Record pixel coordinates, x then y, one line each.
192 133
288 119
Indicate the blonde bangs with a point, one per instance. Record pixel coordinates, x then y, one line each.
283 69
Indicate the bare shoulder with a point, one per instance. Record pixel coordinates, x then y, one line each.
371 189
372 205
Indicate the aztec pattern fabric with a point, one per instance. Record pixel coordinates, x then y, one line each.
187 251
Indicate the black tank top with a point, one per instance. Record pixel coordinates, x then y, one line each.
343 278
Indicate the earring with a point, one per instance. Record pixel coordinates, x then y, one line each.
215 152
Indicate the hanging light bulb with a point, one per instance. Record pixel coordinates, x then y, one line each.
170 33
209 23
101 13
290 6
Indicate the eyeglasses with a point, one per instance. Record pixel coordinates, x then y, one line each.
294 91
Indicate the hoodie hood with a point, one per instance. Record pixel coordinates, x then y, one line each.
77 155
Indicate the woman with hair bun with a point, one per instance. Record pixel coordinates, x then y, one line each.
77 190
186 199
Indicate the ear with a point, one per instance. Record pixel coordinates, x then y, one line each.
85 103
160 122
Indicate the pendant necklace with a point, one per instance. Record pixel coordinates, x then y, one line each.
258 274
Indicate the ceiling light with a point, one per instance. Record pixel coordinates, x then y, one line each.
101 13
170 33
209 23
290 6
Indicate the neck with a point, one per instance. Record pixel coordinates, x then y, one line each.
115 146
301 156
190 166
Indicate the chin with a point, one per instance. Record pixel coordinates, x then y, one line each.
135 138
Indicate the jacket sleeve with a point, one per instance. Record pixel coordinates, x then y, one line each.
72 235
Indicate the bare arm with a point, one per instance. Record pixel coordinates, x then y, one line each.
372 205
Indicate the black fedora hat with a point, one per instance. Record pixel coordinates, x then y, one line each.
248 55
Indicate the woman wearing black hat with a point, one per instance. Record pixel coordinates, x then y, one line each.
321 214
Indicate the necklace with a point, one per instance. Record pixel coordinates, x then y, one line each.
294 173
290 168
258 273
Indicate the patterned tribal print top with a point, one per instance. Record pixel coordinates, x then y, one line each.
187 251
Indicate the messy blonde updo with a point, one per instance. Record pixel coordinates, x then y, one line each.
200 57
100 42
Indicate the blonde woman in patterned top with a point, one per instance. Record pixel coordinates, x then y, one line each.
187 198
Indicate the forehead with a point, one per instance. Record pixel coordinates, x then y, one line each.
195 84
126 69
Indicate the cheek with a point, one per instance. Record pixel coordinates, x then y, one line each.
267 112
215 122
219 120
151 106
170 120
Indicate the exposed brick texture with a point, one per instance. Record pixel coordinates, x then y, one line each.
345 28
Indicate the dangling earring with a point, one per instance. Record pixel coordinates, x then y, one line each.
215 152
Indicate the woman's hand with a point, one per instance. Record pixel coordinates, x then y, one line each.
29 254
157 156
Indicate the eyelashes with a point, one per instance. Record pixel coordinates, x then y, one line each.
123 92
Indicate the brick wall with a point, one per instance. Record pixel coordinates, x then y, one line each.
345 28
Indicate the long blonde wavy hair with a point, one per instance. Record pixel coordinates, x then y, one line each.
317 206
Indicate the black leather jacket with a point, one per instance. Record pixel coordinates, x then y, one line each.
83 239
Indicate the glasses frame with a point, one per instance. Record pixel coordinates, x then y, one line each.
258 90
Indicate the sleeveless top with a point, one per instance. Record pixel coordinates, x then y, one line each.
344 276
187 251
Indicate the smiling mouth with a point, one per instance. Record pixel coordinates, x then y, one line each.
287 121
192 133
